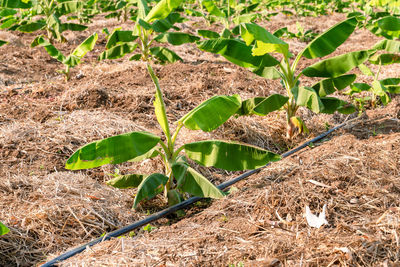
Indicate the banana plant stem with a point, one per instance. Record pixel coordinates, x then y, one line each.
163 114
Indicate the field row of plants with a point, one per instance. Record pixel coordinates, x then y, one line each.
243 42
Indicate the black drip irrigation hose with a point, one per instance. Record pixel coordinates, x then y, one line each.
181 205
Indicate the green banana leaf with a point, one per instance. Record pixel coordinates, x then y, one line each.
112 150
359 87
390 81
126 181
2 43
72 27
162 9
327 42
330 85
212 9
332 104
271 73
385 59
192 182
238 53
262 105
174 197
208 34
85 46
165 55
7 23
308 97
380 90
163 25
3 229
390 46
211 113
118 37
336 66
365 70
228 156
118 51
51 50
32 27
246 18
176 38
265 42
151 186
68 7
5 12
143 9
16 4
389 23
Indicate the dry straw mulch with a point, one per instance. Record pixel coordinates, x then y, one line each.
357 174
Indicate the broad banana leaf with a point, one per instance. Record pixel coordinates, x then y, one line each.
265 42
118 37
16 4
162 9
212 113
85 46
212 9
151 186
165 55
390 46
336 66
332 104
51 50
192 182
308 97
228 156
112 150
327 42
118 51
329 86
208 34
238 53
262 105
176 38
126 181
32 27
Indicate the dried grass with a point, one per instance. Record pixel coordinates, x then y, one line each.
264 222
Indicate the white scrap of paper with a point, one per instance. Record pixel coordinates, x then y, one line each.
314 220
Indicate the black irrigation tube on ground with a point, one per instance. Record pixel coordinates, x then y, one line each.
181 205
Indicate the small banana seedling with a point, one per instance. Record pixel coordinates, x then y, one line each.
230 12
3 229
252 49
301 34
381 88
178 177
72 59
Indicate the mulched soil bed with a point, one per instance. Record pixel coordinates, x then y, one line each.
43 119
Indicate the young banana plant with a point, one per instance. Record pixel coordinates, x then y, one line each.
381 88
72 59
252 49
178 177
